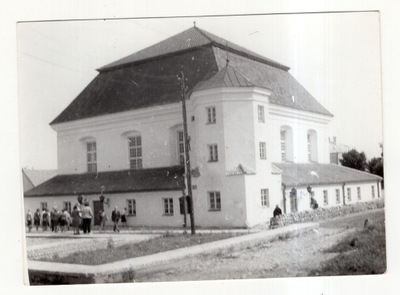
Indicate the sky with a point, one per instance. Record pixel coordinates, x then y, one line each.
336 57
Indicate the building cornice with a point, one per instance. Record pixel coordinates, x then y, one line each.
231 94
146 114
280 111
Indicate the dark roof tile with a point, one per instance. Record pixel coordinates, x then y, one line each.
144 180
188 39
226 77
320 174
133 83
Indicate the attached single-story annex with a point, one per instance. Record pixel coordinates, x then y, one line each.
257 139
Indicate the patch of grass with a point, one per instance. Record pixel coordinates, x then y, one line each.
352 221
169 241
362 252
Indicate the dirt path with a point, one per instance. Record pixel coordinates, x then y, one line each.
284 258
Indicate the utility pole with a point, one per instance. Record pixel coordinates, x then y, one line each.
187 157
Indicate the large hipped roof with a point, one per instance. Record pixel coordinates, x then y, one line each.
188 39
149 77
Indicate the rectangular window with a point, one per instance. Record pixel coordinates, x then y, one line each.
131 204
168 206
264 197
261 117
91 156
43 205
213 153
67 206
359 193
181 148
214 201
338 196
309 147
263 150
326 200
349 194
373 191
135 152
211 115
283 145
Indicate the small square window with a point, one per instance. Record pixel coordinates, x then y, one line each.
211 115
263 151
43 205
213 153
67 206
337 196
168 206
264 197
131 204
326 200
214 201
349 194
261 116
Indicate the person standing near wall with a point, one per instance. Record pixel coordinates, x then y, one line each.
29 219
115 216
277 212
123 218
76 219
103 219
36 219
87 216
55 217
45 219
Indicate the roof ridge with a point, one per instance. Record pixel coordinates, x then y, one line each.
121 63
203 33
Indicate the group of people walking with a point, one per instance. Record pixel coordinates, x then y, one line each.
80 218
55 219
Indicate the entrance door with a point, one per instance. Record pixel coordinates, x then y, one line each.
293 200
97 206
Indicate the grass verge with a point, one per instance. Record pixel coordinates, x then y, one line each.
360 253
156 245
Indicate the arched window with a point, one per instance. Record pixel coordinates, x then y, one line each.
312 146
134 140
286 140
90 147
177 143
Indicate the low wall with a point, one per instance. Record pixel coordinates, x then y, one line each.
329 212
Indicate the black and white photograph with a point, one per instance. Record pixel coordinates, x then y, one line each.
200 148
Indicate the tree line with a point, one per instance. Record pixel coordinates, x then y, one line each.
358 160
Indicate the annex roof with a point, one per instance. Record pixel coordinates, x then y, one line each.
144 180
240 170
321 174
226 77
37 177
149 77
